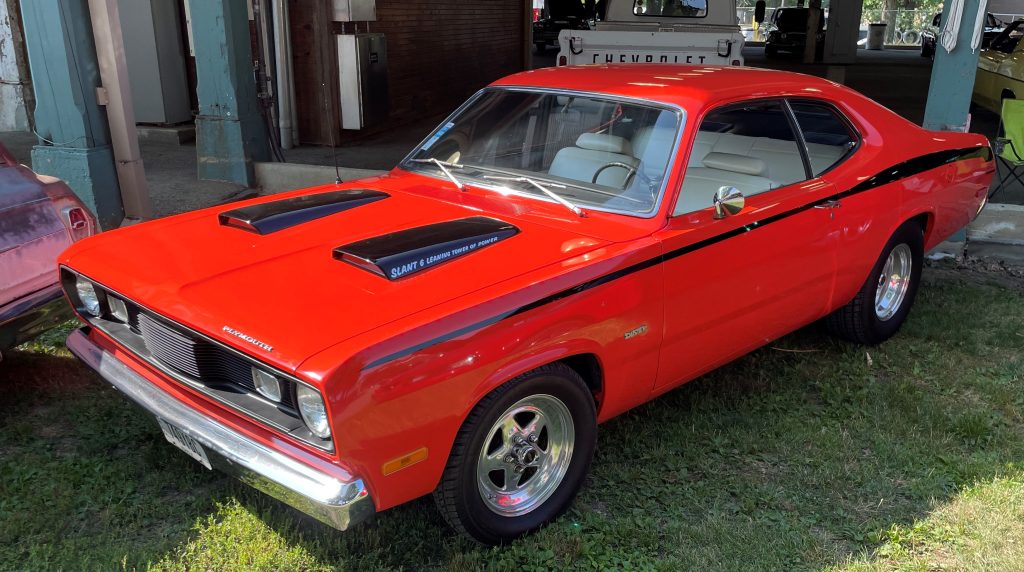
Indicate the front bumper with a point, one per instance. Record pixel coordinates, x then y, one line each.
31 315
334 502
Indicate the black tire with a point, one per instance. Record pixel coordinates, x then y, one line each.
857 321
458 495
927 50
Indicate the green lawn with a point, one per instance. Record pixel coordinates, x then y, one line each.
825 456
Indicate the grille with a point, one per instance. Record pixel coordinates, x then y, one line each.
197 358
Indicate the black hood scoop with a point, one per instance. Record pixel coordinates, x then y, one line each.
400 254
271 217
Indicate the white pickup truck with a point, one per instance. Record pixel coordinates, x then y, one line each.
658 31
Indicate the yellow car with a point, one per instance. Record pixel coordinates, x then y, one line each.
1001 69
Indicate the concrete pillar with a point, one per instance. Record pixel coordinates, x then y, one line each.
230 130
75 140
843 31
15 87
949 94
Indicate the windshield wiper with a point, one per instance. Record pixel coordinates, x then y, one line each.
443 165
554 196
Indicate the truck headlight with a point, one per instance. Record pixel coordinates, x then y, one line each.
87 296
313 410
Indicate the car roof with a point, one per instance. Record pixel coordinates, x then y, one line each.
688 86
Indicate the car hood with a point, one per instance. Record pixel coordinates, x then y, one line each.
290 290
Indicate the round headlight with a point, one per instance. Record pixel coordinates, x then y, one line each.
87 296
313 411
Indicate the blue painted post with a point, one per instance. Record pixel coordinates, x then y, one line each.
74 136
952 82
949 94
230 131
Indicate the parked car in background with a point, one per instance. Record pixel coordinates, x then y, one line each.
1001 69
930 34
570 243
787 32
561 15
39 218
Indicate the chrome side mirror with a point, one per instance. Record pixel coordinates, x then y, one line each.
728 201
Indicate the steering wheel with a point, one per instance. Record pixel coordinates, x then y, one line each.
630 171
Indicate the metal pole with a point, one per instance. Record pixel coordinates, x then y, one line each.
115 95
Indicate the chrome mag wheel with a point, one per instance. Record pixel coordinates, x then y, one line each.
893 282
526 455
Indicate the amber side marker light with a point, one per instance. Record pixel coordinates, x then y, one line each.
395 465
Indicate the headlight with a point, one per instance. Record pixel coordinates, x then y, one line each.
266 384
313 411
87 296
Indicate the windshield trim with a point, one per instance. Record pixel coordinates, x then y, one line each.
679 112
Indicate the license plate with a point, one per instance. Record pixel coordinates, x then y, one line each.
181 440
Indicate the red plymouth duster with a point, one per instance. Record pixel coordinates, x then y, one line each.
570 243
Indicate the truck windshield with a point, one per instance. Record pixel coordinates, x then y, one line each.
671 8
600 154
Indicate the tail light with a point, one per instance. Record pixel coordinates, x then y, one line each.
562 60
77 221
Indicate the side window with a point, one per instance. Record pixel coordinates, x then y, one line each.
829 138
750 146
1007 41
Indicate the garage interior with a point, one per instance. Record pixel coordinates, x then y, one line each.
298 110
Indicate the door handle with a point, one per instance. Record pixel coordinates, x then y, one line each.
829 205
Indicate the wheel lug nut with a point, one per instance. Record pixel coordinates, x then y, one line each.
509 459
519 468
492 496
520 440
534 438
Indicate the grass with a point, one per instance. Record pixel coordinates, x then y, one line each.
905 456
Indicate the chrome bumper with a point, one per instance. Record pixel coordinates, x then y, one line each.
334 502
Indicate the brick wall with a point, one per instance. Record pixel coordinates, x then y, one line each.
439 52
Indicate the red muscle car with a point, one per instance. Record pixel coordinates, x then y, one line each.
570 243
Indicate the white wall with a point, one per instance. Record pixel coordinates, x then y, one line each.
13 115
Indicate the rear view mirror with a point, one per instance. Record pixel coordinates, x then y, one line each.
728 201
759 11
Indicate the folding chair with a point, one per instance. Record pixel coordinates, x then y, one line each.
1009 148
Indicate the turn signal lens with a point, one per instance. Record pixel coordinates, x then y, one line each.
313 411
117 308
87 296
267 385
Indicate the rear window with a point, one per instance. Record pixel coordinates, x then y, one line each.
671 8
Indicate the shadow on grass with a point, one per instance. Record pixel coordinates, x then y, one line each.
781 460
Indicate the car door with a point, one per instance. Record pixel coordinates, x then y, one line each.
736 283
997 65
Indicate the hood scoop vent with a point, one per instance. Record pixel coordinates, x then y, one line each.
266 218
400 254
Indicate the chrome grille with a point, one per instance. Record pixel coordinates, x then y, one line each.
197 358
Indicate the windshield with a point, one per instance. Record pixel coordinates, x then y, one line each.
596 153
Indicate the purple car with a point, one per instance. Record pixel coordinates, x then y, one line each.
39 218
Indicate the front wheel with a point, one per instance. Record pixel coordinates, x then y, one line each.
520 457
881 306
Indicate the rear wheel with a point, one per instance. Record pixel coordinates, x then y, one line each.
520 457
881 306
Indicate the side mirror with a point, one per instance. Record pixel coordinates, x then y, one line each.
728 201
759 11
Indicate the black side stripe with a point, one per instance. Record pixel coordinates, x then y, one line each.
892 174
